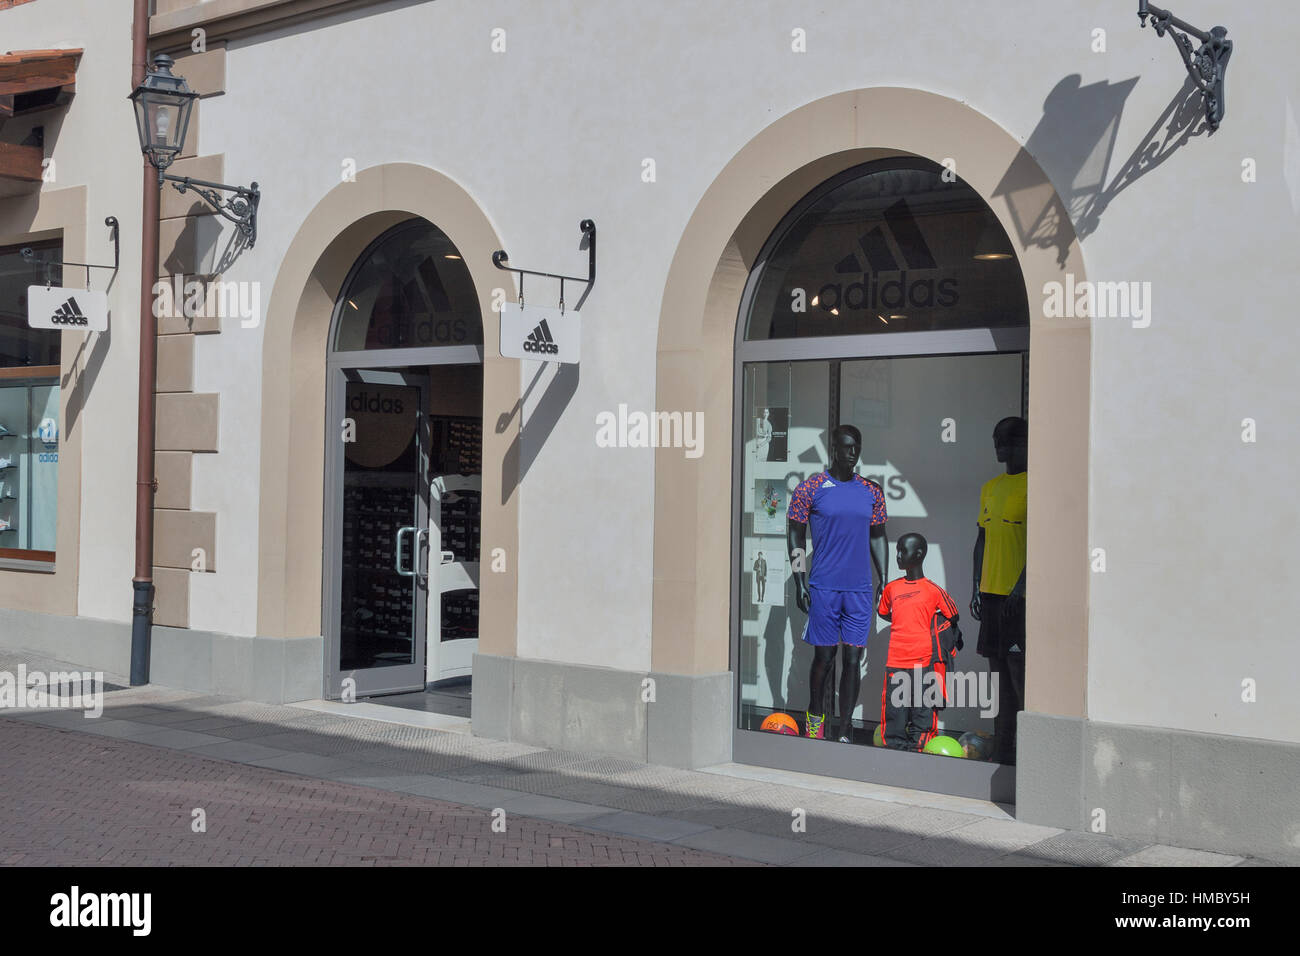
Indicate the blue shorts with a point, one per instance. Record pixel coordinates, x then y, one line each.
836 617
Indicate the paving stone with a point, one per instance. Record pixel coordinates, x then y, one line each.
644 825
1082 849
75 799
242 751
826 856
752 846
177 739
1161 855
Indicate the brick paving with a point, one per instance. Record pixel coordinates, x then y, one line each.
71 798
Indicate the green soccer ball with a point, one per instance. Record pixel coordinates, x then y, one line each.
945 746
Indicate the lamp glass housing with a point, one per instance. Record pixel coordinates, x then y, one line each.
163 104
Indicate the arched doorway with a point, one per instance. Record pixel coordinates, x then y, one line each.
694 577
403 468
889 299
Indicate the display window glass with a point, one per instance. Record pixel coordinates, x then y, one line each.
892 249
413 290
30 425
853 578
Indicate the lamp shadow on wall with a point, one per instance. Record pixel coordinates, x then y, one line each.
1075 143
195 250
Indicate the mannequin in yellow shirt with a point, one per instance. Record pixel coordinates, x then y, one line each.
998 594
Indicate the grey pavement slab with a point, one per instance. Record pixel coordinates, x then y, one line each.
827 856
1161 855
106 727
244 730
69 719
549 808
750 846
457 791
364 775
177 739
207 723
311 765
1082 849
716 814
643 825
974 844
240 751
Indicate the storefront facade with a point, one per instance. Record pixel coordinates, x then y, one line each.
601 587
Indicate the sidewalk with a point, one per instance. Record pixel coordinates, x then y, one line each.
437 789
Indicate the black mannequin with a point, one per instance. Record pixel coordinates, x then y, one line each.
1002 639
845 451
1010 446
912 549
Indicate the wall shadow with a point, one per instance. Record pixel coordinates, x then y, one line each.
1075 140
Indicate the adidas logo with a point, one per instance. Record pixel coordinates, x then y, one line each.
541 341
879 256
907 235
69 314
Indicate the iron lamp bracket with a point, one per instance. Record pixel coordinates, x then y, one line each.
239 208
1207 64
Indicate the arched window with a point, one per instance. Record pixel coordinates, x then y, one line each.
888 298
410 290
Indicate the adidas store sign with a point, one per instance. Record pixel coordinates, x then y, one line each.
73 309
539 333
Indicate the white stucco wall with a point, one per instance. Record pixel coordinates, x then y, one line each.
1197 526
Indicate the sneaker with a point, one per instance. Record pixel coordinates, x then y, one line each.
816 725
5 525
4 432
6 463
845 740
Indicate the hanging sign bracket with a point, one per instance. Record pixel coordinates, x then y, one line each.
588 227
111 222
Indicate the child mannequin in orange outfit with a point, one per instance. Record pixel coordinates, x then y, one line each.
923 640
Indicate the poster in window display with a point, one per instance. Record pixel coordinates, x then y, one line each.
770 502
771 433
768 575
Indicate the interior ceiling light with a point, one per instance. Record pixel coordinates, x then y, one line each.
992 244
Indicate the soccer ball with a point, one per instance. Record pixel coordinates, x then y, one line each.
780 724
977 744
945 746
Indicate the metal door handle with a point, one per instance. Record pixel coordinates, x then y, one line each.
420 535
397 552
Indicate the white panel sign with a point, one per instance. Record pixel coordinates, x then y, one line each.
540 333
56 308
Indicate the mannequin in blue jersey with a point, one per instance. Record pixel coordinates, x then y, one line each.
841 590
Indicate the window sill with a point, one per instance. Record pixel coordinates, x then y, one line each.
20 564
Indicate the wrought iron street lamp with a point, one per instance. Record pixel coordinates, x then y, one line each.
1207 64
163 103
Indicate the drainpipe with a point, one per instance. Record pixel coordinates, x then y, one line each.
145 483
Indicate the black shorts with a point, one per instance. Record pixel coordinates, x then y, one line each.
996 640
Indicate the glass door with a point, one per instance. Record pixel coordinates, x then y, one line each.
455 497
378 546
